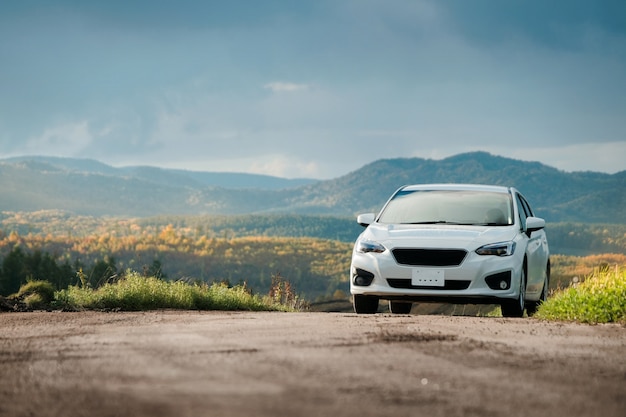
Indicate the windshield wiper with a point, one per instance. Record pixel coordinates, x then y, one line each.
444 222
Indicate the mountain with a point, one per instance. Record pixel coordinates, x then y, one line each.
91 188
173 177
555 195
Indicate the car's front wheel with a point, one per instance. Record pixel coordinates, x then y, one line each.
400 307
515 308
365 304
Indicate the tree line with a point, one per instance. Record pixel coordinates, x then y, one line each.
565 238
20 266
315 267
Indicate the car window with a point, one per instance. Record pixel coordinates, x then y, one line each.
523 210
527 208
448 206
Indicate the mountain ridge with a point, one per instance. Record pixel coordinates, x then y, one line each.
93 188
236 180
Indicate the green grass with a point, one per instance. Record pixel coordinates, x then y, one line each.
36 294
600 298
136 292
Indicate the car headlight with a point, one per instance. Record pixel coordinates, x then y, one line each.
368 246
497 249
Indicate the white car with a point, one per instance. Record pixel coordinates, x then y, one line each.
451 243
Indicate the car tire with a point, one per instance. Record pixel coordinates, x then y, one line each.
365 304
400 307
533 306
515 308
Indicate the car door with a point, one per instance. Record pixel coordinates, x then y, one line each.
536 251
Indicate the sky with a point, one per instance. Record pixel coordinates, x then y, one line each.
313 88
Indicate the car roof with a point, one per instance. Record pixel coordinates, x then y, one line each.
457 187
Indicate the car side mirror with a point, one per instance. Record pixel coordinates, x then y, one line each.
533 224
366 219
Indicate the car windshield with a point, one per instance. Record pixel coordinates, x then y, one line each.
462 207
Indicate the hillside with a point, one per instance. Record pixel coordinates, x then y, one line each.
556 195
89 187
173 177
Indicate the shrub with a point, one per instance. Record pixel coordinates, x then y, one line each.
282 293
36 294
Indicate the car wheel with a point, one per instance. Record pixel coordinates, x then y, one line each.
365 304
400 307
515 308
533 306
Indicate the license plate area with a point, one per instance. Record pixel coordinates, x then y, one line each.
428 277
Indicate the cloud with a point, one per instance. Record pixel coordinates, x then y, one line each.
598 156
64 139
313 88
278 87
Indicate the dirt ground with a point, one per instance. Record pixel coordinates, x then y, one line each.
171 363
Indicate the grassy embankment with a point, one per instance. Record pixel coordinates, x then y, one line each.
599 298
135 292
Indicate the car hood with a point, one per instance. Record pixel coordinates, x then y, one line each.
440 236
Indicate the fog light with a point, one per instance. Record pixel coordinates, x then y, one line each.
362 281
500 281
362 278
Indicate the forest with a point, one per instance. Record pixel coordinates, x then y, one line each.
566 238
311 252
315 267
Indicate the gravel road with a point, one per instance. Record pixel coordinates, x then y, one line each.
172 363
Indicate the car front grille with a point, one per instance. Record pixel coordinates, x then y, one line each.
429 257
449 284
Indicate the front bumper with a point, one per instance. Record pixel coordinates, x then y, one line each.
477 280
